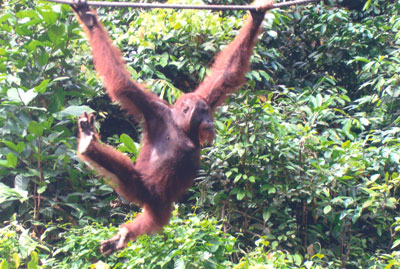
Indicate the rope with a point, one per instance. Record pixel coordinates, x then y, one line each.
182 6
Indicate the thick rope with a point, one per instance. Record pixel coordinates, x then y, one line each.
182 6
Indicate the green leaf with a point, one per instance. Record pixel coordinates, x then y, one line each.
298 259
129 143
29 13
318 255
17 260
164 59
56 33
18 148
266 214
35 128
7 194
34 257
346 126
28 96
10 144
23 30
345 97
21 96
367 203
31 46
42 86
100 265
361 59
4 163
271 190
323 28
396 120
75 111
12 160
327 209
49 17
57 102
42 57
367 5
32 265
237 178
396 243
5 17
255 75
240 195
4 264
42 188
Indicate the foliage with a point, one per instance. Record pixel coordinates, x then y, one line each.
18 248
194 241
313 162
304 172
261 257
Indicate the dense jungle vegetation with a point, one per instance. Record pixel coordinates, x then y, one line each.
304 172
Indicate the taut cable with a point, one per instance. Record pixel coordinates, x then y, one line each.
181 6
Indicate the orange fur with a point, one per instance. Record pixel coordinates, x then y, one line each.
228 71
172 139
